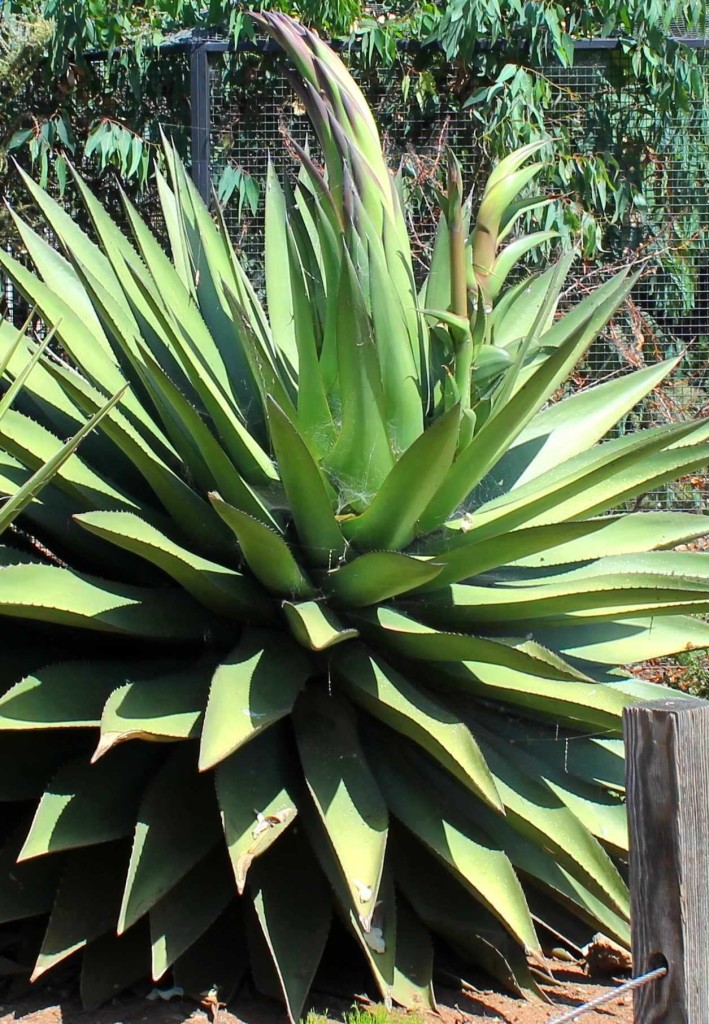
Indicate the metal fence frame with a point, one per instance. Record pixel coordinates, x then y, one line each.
200 46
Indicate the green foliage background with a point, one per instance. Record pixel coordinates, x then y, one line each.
484 54
503 65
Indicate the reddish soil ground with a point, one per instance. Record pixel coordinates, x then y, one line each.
478 1007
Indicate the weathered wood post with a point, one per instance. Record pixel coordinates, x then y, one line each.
667 778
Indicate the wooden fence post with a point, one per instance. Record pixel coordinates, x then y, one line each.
667 779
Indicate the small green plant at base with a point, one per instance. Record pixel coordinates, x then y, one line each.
694 666
377 1013
325 615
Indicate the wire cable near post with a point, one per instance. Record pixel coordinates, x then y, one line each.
200 118
608 997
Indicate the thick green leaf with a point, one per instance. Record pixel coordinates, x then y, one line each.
50 513
255 686
271 374
26 889
601 496
177 825
436 291
345 793
218 587
361 458
245 451
41 392
668 567
254 791
628 534
450 911
593 481
494 439
66 694
13 389
533 809
69 598
413 964
316 626
397 344
463 556
306 490
189 511
314 415
15 344
112 963
89 349
200 449
406 636
164 707
266 553
542 867
376 577
36 447
628 641
214 340
575 703
82 344
172 215
73 238
188 909
279 292
590 759
392 519
87 902
564 600
294 911
387 695
602 813
511 254
573 424
479 863
85 804
379 943
28 491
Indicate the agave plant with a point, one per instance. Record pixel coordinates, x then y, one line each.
324 617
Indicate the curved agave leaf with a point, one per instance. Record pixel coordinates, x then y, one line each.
166 707
315 625
85 805
408 710
255 800
176 826
464 848
266 553
86 905
218 587
255 686
55 594
449 912
345 793
292 898
375 577
185 913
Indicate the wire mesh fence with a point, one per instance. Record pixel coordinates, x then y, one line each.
253 116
